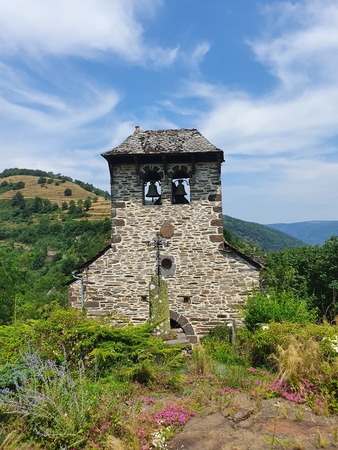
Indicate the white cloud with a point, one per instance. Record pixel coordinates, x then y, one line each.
273 124
281 147
295 116
300 45
57 131
79 27
56 119
283 191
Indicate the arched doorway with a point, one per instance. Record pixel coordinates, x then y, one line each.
179 322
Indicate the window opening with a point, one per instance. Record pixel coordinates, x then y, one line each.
181 190
166 263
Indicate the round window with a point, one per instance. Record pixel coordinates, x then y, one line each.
166 263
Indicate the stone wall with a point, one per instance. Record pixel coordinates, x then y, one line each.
205 284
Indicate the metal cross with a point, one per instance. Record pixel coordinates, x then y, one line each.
158 243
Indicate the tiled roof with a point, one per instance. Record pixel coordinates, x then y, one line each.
163 141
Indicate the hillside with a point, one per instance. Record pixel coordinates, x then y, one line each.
56 192
312 232
54 189
49 226
260 236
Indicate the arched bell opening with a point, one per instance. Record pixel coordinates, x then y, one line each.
152 189
180 188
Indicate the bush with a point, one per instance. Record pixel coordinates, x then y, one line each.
98 344
42 180
262 308
258 346
18 185
217 345
57 406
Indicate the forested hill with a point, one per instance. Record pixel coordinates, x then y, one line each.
311 232
50 225
260 236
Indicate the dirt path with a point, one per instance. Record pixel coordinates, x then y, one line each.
271 424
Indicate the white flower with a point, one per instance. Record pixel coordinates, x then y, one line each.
334 343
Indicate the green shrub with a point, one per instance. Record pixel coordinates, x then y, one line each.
69 332
258 346
262 308
57 406
218 346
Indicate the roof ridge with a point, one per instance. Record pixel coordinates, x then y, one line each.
180 140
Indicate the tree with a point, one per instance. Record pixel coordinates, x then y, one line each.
42 180
13 278
87 204
18 201
72 207
67 192
18 185
37 205
47 206
310 271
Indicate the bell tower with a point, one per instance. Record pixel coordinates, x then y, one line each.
166 184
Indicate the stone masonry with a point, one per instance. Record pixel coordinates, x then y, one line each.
207 279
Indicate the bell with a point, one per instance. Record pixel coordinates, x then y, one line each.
180 190
152 190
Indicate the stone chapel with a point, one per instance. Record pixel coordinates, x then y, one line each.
167 220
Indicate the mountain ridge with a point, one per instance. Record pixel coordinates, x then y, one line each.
260 236
312 232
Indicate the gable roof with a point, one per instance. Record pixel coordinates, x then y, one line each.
257 262
163 141
227 249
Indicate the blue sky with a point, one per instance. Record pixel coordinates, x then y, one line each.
258 78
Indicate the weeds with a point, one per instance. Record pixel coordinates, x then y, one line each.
56 405
300 360
322 441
